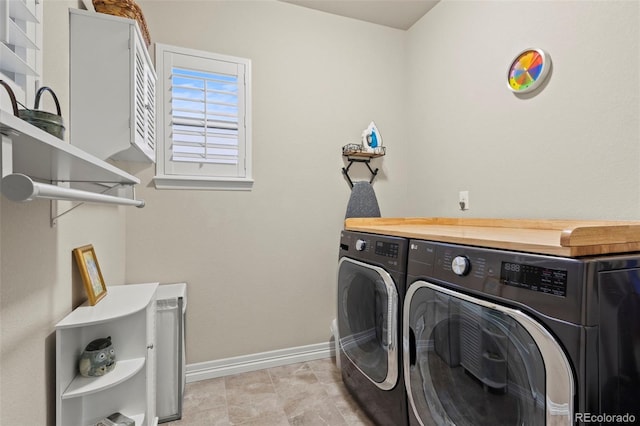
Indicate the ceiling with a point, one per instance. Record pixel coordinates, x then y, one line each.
400 14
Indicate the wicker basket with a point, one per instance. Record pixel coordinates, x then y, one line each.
126 9
50 123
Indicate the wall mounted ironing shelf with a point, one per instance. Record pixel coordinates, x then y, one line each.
30 154
354 156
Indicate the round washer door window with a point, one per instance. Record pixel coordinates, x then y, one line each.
473 363
368 320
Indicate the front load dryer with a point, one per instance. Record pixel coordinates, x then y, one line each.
371 288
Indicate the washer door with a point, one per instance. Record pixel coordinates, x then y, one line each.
368 320
472 362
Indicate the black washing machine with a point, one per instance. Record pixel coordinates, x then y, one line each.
493 337
371 288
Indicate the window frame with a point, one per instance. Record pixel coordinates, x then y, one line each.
164 179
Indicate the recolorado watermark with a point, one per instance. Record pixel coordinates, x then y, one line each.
604 418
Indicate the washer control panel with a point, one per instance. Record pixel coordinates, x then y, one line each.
550 285
516 274
488 268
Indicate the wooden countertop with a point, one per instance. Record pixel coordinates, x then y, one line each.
570 238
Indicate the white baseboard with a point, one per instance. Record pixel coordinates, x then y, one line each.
242 364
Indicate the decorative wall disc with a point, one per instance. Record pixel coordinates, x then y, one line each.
528 70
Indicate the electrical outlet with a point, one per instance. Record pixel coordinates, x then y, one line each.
463 198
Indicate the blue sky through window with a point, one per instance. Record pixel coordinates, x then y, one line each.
204 116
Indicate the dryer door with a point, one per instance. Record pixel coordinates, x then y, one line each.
368 320
472 362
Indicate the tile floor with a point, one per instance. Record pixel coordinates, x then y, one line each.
304 394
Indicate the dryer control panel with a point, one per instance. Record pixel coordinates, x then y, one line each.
535 278
387 249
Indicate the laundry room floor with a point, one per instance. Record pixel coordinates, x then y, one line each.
304 394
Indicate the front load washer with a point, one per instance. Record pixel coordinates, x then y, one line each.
371 287
494 337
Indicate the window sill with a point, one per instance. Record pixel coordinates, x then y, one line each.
204 183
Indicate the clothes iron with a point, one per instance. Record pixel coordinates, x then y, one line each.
372 139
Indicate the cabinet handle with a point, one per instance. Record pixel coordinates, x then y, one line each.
150 346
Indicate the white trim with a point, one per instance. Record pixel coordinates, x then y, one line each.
201 182
242 364
184 179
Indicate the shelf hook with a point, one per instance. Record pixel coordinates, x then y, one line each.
345 170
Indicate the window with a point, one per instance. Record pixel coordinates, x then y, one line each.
21 46
203 120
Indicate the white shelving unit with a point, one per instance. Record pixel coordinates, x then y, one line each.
35 164
127 314
112 88
34 153
31 151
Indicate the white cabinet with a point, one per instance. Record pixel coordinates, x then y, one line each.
112 88
127 314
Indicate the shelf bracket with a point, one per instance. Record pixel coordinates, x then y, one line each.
345 170
56 214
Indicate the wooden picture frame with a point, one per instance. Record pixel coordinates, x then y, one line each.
90 271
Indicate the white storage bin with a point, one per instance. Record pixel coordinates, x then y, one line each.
171 308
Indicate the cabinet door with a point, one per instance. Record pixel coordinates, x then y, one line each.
144 100
151 362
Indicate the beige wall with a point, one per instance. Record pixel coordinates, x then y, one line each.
39 283
261 265
572 151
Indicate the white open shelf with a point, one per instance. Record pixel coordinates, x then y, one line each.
127 315
119 302
137 418
41 156
81 386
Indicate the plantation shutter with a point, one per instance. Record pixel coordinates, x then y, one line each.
20 38
145 114
206 117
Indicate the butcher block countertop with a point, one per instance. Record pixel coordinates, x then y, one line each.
570 238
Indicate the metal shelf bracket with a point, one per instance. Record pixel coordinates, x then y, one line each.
345 170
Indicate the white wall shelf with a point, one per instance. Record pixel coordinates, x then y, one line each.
32 152
42 156
357 155
121 303
81 386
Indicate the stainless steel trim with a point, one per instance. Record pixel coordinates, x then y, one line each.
181 339
392 325
560 387
180 365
